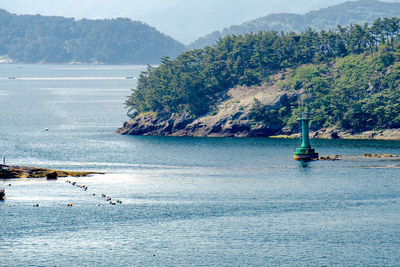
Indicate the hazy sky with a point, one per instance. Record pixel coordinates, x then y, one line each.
185 20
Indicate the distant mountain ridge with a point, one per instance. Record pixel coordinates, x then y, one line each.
45 39
184 20
343 14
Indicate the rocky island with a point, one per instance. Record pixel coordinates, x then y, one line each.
257 85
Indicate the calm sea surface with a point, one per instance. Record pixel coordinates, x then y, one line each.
185 201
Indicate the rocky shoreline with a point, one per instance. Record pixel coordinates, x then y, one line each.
334 133
231 118
149 125
185 125
10 172
365 156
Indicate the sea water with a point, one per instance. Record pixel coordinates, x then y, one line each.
185 201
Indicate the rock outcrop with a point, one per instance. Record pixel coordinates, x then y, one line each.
230 118
7 172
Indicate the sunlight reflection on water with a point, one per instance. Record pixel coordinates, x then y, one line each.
185 201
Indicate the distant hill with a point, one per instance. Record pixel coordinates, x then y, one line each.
42 39
184 20
326 18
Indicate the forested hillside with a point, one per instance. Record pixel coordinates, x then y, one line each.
350 77
182 19
328 18
33 39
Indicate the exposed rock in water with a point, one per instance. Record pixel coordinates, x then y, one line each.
52 176
378 157
2 194
229 119
331 157
368 155
7 172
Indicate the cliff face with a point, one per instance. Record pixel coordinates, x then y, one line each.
230 118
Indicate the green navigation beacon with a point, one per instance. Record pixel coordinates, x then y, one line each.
305 152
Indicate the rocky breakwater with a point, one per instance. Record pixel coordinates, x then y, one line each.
230 117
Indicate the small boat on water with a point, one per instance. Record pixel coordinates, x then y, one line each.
2 193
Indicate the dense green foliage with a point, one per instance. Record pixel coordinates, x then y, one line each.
326 18
358 92
351 75
268 115
37 38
